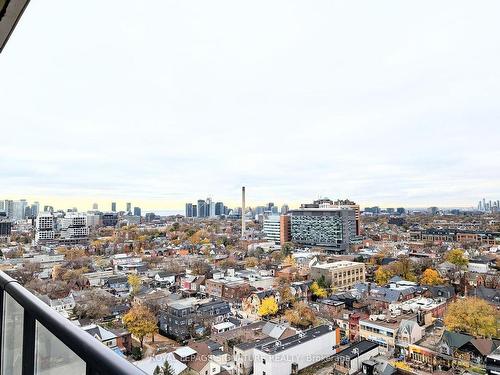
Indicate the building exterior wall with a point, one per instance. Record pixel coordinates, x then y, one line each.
340 274
305 354
272 227
384 336
333 228
285 234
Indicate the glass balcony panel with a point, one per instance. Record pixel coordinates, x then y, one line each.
12 340
53 357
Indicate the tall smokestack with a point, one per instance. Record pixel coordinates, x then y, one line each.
242 211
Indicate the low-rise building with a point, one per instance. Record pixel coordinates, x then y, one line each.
342 274
350 360
297 352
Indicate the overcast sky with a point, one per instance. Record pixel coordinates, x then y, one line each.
389 103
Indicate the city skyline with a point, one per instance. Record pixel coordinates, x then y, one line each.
121 205
292 109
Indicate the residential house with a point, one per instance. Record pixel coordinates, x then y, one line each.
149 364
191 317
106 337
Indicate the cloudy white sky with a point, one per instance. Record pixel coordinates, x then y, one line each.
160 102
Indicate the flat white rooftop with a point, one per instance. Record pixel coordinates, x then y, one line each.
339 264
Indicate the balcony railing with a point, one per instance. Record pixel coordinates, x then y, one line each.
36 340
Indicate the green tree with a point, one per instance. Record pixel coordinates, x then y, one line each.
286 249
322 282
167 369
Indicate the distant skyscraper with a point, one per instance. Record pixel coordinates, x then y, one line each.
219 208
137 211
35 209
284 209
189 210
210 208
19 209
129 207
195 211
95 206
202 211
113 206
9 207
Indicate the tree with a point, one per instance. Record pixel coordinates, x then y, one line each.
286 249
268 306
472 315
301 315
276 256
95 304
456 257
318 291
26 273
382 275
251 262
200 267
322 282
135 283
404 268
141 322
285 292
167 369
290 261
431 277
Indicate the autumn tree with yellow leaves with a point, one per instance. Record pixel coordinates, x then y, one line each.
268 307
301 315
318 291
431 277
135 283
140 322
456 257
472 315
382 275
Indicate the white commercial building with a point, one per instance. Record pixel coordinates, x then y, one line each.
296 352
44 226
272 228
74 227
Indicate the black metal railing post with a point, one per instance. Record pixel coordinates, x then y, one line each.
29 340
98 359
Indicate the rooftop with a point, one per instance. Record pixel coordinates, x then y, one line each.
285 344
363 346
339 264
